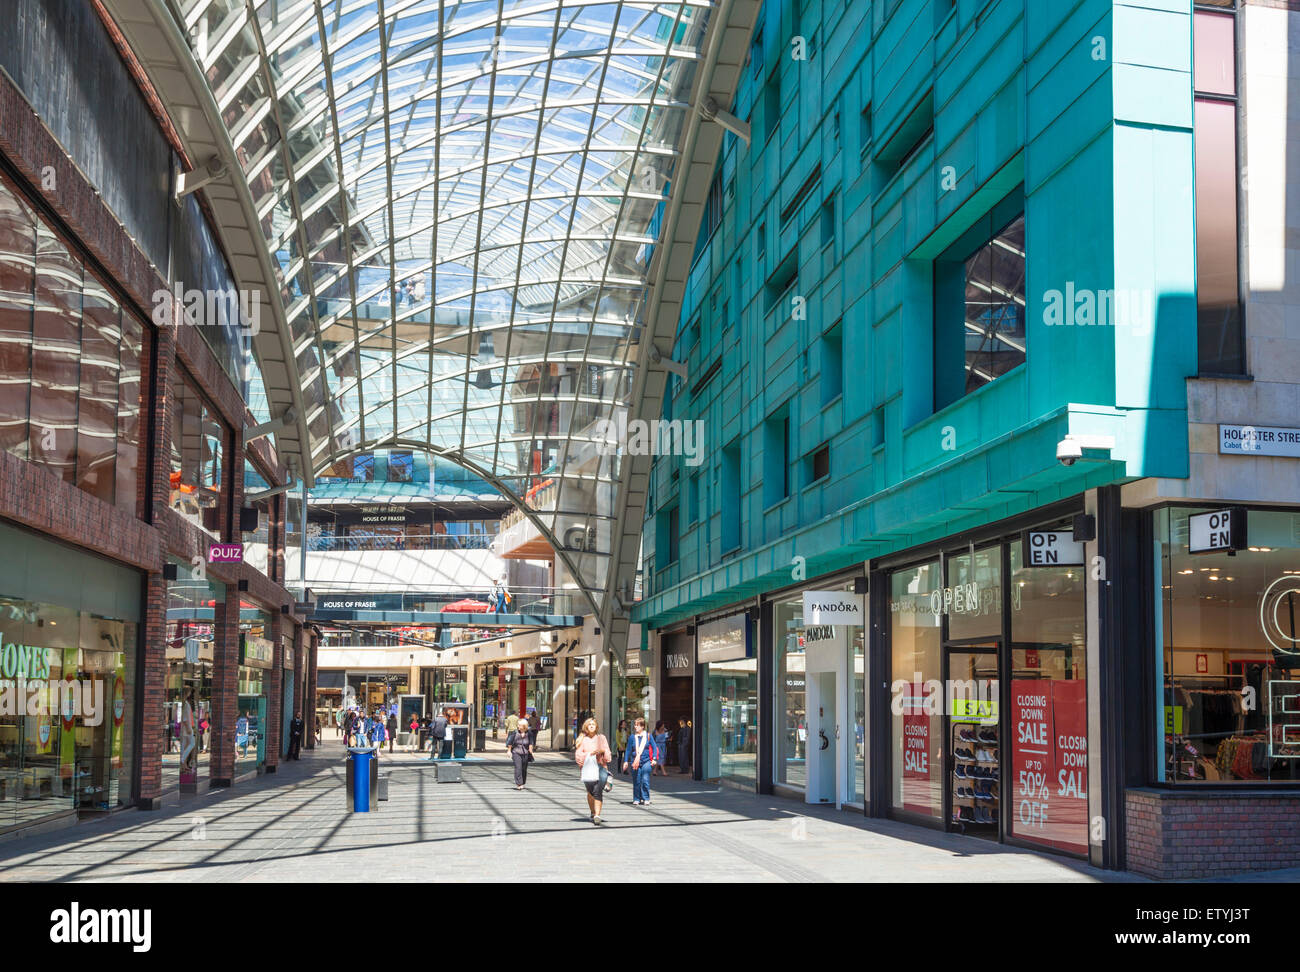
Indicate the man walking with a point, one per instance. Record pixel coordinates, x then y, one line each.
438 732
295 735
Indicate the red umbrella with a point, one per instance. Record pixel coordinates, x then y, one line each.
467 606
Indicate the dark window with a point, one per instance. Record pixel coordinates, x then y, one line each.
828 221
776 459
401 467
979 311
832 365
819 464
1221 342
730 501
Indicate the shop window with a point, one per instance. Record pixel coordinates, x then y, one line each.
1228 654
802 653
1221 341
916 696
70 359
979 304
1049 706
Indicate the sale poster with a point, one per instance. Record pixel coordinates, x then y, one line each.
917 790
1049 763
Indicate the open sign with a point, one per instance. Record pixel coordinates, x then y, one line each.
1052 548
1217 531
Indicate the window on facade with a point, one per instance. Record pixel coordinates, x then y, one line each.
70 362
363 468
197 449
729 505
832 365
1227 657
979 309
819 464
401 467
1220 343
776 459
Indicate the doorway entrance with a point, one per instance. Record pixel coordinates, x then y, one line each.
824 740
974 736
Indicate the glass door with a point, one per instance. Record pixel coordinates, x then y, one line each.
973 774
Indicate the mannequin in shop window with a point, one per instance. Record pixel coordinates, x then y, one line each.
189 748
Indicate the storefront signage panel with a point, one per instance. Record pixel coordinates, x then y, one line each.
1217 531
1049 763
359 602
1052 548
832 608
725 639
1259 440
226 553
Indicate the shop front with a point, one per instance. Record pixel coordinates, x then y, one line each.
988 704
376 690
191 647
69 656
675 662
440 685
256 659
728 669
630 689
1223 669
819 660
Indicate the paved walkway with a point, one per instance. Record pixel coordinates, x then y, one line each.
294 826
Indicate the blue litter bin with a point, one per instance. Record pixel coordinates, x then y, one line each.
363 770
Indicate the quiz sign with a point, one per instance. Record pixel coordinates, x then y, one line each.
1046 794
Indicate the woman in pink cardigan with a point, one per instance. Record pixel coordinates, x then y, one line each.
593 744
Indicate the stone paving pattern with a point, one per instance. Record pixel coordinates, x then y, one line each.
296 826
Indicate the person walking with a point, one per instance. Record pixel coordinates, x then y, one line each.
519 745
641 756
318 730
593 748
437 732
620 740
660 737
683 746
340 716
512 720
392 729
295 735
378 732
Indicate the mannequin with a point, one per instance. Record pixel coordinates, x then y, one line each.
189 756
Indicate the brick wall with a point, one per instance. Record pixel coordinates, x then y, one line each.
1175 835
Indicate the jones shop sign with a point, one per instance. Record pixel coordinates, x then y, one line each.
831 608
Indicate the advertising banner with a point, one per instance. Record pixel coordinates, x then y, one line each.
1049 763
917 791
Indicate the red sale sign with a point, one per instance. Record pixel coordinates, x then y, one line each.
1049 763
917 791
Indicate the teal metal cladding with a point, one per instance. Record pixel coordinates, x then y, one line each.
814 299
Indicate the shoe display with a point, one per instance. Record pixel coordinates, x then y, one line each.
965 735
988 736
959 772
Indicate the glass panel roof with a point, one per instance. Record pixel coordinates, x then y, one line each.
462 200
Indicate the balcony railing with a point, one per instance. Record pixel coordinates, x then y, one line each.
331 543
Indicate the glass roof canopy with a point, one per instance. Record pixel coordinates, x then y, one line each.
463 200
